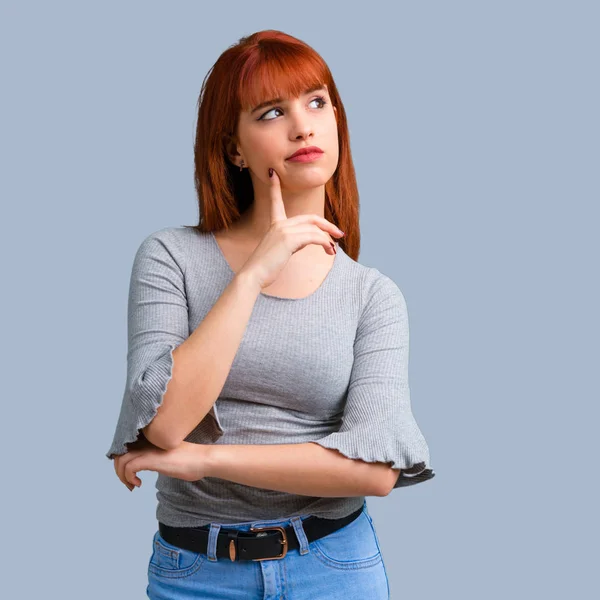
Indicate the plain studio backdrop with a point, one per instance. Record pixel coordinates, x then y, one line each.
474 131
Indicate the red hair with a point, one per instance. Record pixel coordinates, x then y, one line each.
266 64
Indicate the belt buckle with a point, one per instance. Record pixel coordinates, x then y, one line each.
284 542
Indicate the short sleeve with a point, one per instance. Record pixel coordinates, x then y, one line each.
157 322
377 422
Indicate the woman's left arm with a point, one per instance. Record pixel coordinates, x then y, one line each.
306 469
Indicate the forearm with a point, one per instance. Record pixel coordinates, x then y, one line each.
202 363
307 469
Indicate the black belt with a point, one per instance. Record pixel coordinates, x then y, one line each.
260 543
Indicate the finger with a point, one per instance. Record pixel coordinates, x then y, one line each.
147 461
118 468
303 237
318 221
131 469
277 206
312 234
125 460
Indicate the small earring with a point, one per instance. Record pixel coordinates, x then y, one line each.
242 165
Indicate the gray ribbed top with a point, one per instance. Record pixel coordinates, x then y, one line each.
330 368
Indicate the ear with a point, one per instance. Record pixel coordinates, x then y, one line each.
230 146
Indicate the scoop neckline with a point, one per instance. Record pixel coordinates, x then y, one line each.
311 296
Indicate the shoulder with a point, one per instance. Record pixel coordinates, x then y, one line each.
178 236
375 289
380 301
380 287
374 284
383 306
172 243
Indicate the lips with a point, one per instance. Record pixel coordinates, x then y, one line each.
306 150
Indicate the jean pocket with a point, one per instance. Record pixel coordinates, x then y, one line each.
168 560
354 546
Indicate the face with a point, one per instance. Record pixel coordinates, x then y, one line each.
269 134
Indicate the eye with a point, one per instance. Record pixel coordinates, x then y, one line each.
320 99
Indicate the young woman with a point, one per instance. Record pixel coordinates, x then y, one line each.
267 369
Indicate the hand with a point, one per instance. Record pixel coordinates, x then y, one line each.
188 462
285 237
139 444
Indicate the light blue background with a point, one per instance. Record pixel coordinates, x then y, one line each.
474 131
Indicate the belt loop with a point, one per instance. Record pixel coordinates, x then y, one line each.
366 511
211 550
300 534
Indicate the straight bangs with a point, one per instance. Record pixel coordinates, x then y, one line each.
280 71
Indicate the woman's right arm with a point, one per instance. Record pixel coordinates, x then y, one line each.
202 363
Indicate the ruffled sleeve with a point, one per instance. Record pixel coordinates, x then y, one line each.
157 322
377 423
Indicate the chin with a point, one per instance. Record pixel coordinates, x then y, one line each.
308 180
316 173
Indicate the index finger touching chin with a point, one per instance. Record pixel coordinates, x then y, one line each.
277 206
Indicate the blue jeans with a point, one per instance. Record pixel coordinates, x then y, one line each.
346 565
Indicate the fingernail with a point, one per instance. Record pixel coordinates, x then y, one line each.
341 231
270 172
333 246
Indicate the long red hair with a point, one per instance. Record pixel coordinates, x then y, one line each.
266 64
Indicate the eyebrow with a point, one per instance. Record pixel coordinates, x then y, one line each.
276 100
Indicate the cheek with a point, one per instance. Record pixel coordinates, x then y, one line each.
333 144
265 149
332 136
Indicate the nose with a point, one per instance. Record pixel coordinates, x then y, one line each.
302 126
305 134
